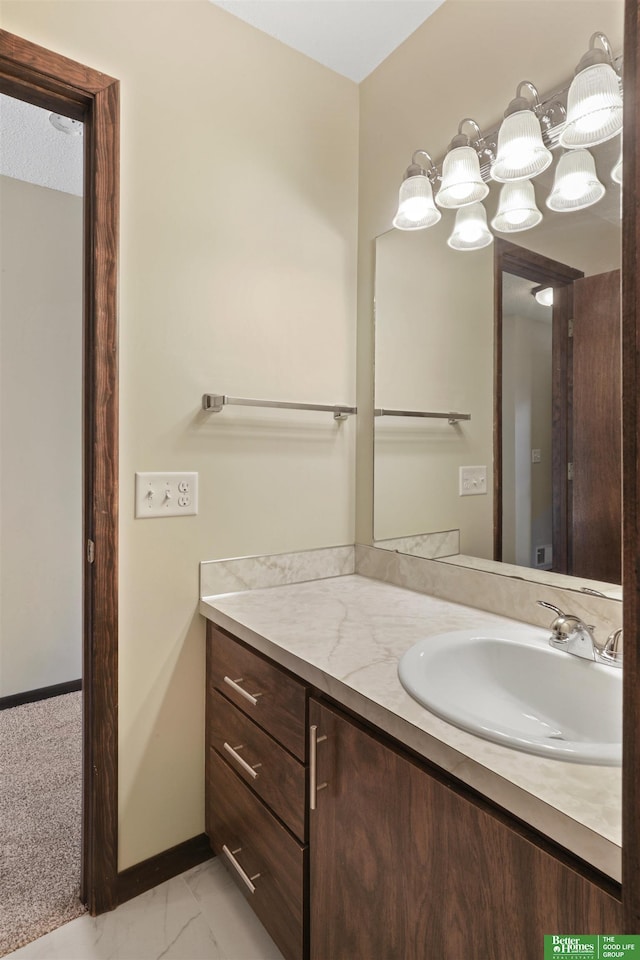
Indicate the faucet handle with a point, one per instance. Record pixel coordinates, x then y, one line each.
565 616
567 627
612 651
550 606
561 626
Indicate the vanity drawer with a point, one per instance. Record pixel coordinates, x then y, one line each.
277 777
241 829
260 689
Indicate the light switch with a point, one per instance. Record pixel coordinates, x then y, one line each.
473 481
166 495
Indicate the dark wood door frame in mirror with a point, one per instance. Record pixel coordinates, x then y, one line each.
521 262
36 75
631 473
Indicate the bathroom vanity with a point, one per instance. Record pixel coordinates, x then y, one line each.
361 826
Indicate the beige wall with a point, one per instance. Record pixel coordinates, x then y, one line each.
40 437
237 275
465 61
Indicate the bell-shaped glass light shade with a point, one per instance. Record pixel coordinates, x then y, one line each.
517 208
521 152
462 182
616 173
470 231
576 183
416 209
594 107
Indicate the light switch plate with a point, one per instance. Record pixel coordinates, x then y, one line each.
166 495
473 481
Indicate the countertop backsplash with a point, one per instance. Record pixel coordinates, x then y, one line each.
275 570
505 595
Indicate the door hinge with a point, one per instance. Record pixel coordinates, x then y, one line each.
570 471
570 327
91 551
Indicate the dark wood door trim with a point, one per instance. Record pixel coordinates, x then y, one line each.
39 76
596 489
630 473
510 258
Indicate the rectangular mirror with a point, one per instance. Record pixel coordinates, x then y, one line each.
530 484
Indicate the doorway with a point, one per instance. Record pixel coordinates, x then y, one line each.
41 236
557 417
38 76
512 261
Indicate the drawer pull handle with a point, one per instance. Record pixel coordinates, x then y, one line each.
314 786
234 863
232 751
234 684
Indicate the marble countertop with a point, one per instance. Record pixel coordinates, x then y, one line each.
345 635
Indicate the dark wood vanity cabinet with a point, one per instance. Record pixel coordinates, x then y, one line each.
255 786
396 861
404 865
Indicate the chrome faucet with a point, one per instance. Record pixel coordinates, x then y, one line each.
571 634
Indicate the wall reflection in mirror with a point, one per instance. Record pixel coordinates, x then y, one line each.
530 484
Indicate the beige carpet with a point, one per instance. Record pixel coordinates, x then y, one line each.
40 818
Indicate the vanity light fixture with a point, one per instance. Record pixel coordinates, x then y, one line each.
416 209
517 209
594 102
576 183
462 182
518 150
616 173
470 231
544 295
521 152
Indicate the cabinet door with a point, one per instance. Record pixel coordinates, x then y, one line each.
404 866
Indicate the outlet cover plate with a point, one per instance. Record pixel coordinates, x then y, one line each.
473 481
166 495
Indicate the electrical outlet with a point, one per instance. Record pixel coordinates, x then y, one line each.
473 481
166 495
543 556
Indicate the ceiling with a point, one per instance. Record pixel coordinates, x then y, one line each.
518 300
349 36
31 149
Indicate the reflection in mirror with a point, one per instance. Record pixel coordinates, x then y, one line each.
532 479
527 476
557 449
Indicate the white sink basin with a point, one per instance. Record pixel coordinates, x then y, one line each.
513 688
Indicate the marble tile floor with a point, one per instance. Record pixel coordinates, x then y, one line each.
199 915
